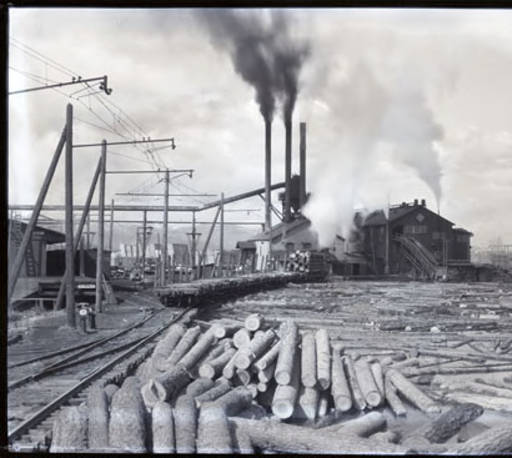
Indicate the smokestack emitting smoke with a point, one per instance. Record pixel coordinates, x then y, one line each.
268 178
302 164
264 54
287 169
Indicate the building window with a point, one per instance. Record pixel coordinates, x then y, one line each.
415 229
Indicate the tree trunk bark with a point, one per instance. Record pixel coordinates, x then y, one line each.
493 441
323 359
282 437
165 346
268 358
213 393
162 424
357 395
199 386
394 401
363 426
376 369
162 387
285 360
97 405
308 403
339 389
265 376
256 347
285 396
69 431
213 434
241 338
308 366
183 346
240 440
214 367
204 343
367 383
235 400
127 428
185 420
411 392
110 389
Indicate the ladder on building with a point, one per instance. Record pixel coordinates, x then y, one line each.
419 256
17 234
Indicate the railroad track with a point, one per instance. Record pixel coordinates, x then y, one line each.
36 400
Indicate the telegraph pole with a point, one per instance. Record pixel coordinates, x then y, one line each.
166 222
221 255
68 193
111 235
144 222
101 228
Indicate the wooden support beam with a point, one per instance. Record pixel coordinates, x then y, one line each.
68 193
101 230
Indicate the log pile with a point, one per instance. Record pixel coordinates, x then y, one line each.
277 389
201 292
305 261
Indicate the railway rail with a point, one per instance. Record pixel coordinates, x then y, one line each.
33 433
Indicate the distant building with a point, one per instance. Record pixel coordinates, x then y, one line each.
413 239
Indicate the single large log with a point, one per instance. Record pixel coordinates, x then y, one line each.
256 348
97 405
241 338
285 396
367 383
307 404
235 400
363 426
214 367
162 387
199 386
308 364
497 440
69 430
411 392
288 348
213 434
323 358
487 402
378 376
395 403
185 420
268 358
357 395
165 347
229 369
221 330
448 424
213 393
183 346
282 437
162 424
339 389
253 322
203 344
127 427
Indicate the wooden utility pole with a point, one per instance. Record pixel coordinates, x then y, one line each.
88 231
111 234
101 228
166 223
82 258
221 256
193 248
144 229
85 215
70 258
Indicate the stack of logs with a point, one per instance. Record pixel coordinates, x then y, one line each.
233 389
307 262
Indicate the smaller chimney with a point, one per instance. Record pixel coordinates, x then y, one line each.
423 203
415 202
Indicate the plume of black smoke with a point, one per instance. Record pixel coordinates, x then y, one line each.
263 53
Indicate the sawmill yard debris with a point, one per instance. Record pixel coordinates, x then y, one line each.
337 367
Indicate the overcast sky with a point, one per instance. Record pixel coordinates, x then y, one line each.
399 104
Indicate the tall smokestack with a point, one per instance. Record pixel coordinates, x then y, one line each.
288 169
268 157
302 147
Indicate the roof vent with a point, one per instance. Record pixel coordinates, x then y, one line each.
415 201
423 203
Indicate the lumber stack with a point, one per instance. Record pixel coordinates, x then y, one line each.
205 390
306 261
